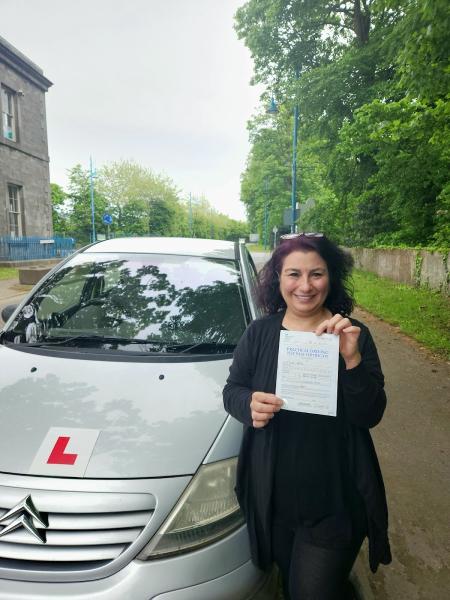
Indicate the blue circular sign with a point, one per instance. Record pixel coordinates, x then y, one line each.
107 219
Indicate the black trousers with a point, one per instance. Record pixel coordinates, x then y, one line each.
311 571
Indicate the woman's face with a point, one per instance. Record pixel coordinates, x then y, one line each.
304 283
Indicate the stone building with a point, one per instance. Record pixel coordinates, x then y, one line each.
25 205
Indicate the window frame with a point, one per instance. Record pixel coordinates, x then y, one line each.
9 103
18 213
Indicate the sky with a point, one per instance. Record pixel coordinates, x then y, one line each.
165 83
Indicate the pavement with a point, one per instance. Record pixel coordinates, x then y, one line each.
11 292
413 446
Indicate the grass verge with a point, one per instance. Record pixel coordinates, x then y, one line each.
8 273
257 248
421 313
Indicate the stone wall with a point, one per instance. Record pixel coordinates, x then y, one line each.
24 162
413 267
32 177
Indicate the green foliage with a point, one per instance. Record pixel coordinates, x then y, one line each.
287 36
140 203
59 210
423 59
374 134
418 268
402 142
253 247
79 216
266 182
419 312
161 217
208 223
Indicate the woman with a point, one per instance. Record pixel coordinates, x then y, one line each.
309 485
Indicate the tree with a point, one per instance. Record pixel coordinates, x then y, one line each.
59 210
140 201
423 58
163 217
372 89
208 223
79 205
286 36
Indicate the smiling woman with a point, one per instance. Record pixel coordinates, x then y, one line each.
309 483
338 265
304 284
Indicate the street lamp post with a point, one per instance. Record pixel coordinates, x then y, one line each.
294 169
266 211
273 110
91 186
191 224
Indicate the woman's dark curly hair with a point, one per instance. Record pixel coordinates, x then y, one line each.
339 263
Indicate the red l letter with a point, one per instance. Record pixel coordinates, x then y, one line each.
57 456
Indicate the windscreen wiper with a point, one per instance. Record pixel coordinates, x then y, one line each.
61 341
206 348
163 346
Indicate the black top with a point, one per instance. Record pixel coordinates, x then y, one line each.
361 399
312 480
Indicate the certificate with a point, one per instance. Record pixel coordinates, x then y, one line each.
308 371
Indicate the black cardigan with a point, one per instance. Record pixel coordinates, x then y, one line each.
254 368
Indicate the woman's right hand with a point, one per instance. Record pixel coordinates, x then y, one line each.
263 407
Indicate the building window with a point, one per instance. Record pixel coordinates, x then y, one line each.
9 114
15 217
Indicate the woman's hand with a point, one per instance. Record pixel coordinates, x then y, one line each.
263 407
348 338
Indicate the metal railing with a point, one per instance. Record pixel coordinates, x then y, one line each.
35 248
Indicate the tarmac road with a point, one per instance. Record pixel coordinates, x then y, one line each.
413 446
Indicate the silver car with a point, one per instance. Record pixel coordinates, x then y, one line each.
117 460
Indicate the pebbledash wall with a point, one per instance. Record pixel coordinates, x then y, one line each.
413 267
25 205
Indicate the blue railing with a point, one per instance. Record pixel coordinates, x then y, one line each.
35 248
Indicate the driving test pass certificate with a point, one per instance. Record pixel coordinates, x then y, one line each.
308 371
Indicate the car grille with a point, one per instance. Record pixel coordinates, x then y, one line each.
85 529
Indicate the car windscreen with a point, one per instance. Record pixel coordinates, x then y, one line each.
136 302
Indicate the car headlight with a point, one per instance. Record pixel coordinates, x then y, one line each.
207 511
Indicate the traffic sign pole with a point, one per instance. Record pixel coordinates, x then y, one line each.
107 220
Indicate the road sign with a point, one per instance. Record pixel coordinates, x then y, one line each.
275 230
107 219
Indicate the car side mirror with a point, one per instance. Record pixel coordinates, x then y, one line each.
8 310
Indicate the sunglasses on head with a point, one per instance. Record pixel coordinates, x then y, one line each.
292 236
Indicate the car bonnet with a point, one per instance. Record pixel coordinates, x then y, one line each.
120 419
